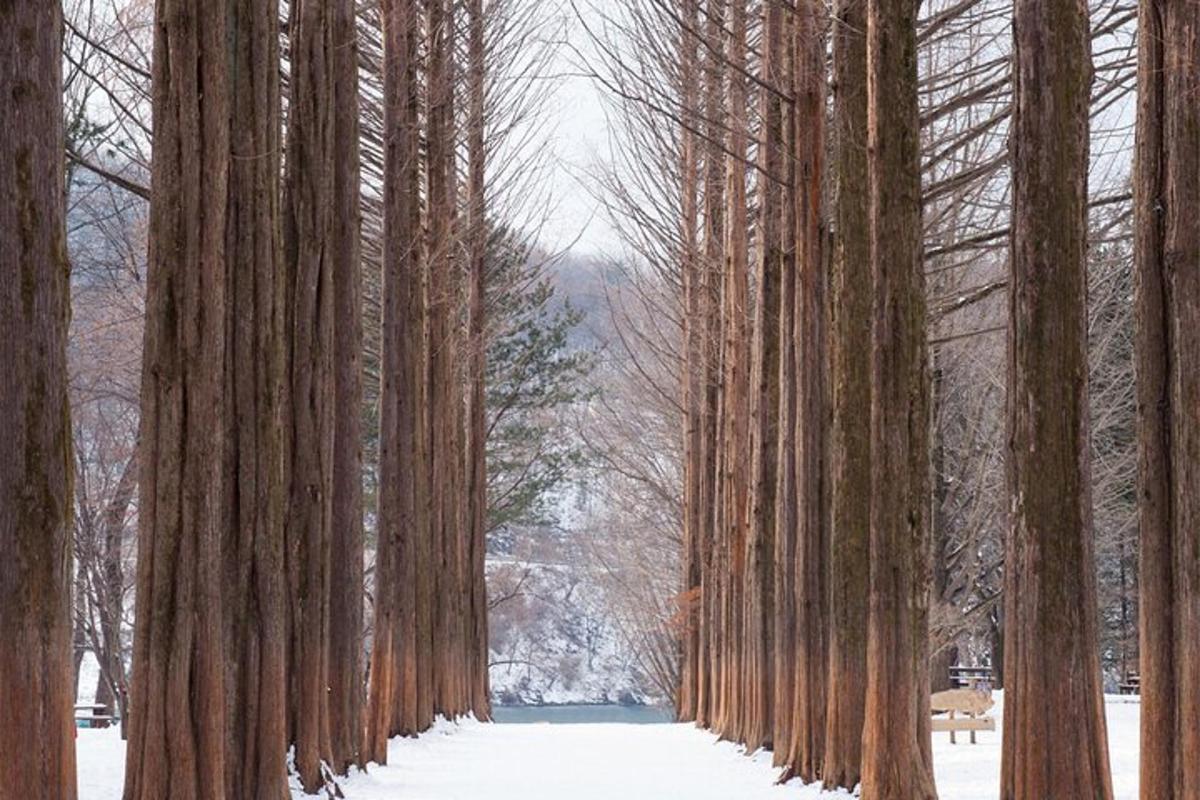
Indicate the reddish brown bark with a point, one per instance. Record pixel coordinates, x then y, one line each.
690 602
478 699
786 495
254 590
850 432
310 303
36 671
812 582
714 535
177 731
1051 650
400 642
1167 206
897 758
754 712
346 573
443 380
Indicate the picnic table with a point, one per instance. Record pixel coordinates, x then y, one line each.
92 715
971 697
1132 684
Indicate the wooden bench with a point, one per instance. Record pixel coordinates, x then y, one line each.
1132 684
93 716
970 677
972 703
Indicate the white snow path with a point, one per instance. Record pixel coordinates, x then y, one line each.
470 761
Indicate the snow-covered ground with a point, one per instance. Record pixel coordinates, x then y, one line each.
468 761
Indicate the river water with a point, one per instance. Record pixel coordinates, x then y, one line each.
577 715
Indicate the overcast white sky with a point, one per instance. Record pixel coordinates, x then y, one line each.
579 142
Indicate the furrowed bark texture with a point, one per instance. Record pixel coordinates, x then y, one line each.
401 635
254 493
687 699
1167 288
808 741
177 717
36 669
1051 650
786 495
346 572
733 477
712 541
310 304
897 758
478 698
756 635
850 433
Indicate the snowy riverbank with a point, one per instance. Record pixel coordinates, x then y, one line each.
470 760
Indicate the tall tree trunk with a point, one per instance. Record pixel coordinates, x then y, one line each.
254 500
400 643
691 600
897 759
310 260
112 596
850 433
787 498
477 229
1167 206
1051 647
714 382
757 633
36 715
812 581
732 408
177 716
442 305
346 572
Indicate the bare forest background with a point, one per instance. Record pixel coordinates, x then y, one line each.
586 350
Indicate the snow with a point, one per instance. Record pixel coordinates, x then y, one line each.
469 760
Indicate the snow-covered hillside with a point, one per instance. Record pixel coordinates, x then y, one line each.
554 642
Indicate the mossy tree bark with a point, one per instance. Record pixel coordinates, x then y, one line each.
36 669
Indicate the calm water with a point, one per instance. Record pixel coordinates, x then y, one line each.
574 715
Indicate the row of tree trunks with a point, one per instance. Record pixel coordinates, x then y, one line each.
244 606
36 699
430 608
783 674
814 592
1167 285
